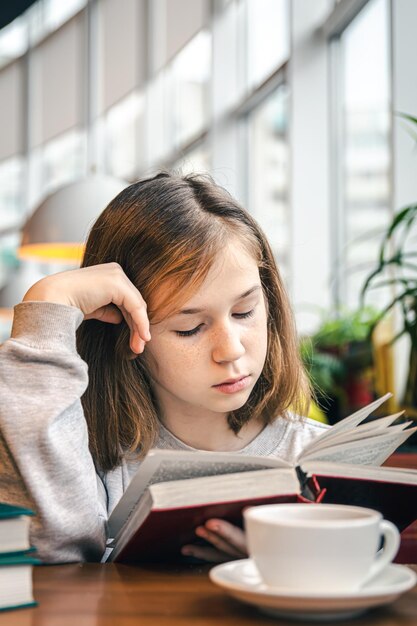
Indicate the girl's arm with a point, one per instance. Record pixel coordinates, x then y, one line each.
44 457
45 462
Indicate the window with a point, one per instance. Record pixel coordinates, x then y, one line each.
13 40
56 12
124 137
267 38
157 139
365 155
46 16
190 75
178 102
268 176
12 185
60 161
8 265
64 159
196 160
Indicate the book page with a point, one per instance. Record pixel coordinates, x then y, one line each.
379 423
387 474
369 451
356 418
168 465
347 424
360 432
232 487
376 425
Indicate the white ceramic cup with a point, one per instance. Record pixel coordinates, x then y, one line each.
319 548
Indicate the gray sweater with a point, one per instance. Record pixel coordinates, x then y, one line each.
45 463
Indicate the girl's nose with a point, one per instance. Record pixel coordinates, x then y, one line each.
227 345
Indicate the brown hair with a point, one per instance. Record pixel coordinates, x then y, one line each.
170 228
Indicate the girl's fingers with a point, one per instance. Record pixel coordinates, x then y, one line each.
137 344
228 542
228 532
135 306
97 290
109 313
123 293
219 542
103 292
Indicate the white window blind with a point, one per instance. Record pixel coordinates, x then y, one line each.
11 110
174 23
123 29
184 19
58 85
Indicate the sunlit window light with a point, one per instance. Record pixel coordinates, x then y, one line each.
13 40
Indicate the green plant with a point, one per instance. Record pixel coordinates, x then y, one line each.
397 269
345 327
336 355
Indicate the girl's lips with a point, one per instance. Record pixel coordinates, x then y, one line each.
233 387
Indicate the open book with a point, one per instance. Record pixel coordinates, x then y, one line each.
175 491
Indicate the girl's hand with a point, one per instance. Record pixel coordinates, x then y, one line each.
101 292
228 542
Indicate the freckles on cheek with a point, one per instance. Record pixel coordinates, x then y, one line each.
259 349
174 358
186 357
260 341
176 372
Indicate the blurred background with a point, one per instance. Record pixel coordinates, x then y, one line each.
303 109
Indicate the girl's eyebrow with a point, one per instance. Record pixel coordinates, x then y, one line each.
244 295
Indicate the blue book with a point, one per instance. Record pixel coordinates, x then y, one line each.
14 529
11 510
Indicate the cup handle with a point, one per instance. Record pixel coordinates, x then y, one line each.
388 552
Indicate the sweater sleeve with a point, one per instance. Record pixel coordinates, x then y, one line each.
45 462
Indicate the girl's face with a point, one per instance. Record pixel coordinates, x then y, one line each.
205 358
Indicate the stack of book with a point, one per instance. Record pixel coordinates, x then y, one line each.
16 558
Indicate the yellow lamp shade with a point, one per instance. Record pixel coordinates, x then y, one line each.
60 224
53 252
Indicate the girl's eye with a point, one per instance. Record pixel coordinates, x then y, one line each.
194 331
242 316
188 333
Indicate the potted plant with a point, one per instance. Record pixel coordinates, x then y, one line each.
396 268
339 361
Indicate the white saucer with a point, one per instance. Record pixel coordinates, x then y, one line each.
241 579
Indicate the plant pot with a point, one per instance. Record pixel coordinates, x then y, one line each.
358 356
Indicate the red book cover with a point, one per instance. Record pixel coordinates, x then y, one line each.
165 531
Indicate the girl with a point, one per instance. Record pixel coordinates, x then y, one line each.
185 340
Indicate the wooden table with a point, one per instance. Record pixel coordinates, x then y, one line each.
124 595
